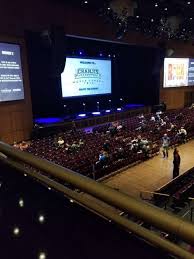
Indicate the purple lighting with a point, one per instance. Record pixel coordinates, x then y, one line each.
82 115
80 52
96 113
119 109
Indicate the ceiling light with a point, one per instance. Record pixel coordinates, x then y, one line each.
137 16
165 8
85 2
188 2
21 203
152 20
41 218
156 5
16 231
42 256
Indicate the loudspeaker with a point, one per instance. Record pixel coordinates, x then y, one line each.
54 42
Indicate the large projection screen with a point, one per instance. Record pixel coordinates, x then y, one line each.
176 72
11 80
86 77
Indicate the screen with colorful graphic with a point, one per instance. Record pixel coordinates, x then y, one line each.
11 80
86 76
176 72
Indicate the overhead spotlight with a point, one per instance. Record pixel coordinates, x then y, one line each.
16 231
101 55
137 16
188 2
119 109
80 52
109 55
156 5
85 2
108 8
21 203
152 20
166 9
42 255
49 188
41 218
71 201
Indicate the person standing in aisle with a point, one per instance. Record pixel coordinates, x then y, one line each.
176 163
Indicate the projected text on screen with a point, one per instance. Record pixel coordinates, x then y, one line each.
84 77
11 81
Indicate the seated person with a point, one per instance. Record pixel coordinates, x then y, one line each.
106 145
172 127
74 146
15 145
81 142
182 134
153 119
23 145
103 157
60 142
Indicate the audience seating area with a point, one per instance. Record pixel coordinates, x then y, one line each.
179 190
83 158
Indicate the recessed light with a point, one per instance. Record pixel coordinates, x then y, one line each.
188 2
16 231
156 5
42 256
85 2
21 202
41 218
137 16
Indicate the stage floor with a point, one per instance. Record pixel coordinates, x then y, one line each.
48 121
153 173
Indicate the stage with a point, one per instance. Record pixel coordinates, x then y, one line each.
51 125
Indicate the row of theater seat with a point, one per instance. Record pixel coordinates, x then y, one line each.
84 159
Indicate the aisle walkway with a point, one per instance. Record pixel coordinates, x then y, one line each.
152 174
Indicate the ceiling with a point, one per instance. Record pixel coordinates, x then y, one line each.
165 19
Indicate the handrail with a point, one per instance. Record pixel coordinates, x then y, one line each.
157 193
138 230
148 213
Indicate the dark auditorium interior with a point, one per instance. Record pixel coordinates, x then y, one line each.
97 129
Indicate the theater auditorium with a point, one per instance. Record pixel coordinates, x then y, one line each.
97 129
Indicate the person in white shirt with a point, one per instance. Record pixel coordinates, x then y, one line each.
183 134
60 142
